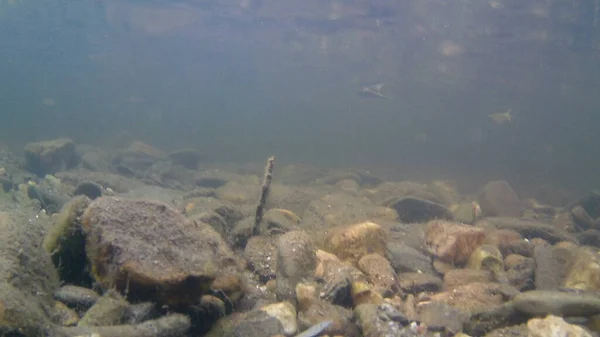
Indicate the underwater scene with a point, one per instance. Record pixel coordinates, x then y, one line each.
262 168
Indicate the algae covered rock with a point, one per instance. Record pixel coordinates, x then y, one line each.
152 250
51 156
65 241
351 243
27 278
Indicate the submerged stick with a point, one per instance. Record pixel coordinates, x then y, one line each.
264 192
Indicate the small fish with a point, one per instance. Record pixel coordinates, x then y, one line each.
315 330
501 117
48 101
372 90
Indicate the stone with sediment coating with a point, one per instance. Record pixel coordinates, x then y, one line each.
152 250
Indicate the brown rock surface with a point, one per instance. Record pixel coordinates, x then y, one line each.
152 250
350 243
451 242
379 271
499 199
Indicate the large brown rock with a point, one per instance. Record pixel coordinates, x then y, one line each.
51 156
452 242
152 250
351 243
499 199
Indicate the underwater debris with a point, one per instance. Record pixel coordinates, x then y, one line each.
372 91
264 192
501 117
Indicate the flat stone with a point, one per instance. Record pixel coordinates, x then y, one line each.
542 303
411 210
499 199
405 258
528 229
554 326
51 156
151 250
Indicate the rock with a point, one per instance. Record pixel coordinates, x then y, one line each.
65 242
167 175
475 296
458 277
487 257
208 310
295 260
238 193
371 323
411 210
285 312
523 247
256 323
27 277
520 271
590 237
140 312
51 156
590 204
50 198
278 221
541 303
108 310
89 189
351 243
217 178
166 326
499 199
583 270
75 297
363 292
387 192
63 315
444 191
554 326
320 311
153 251
222 216
6 183
512 331
463 212
187 158
138 157
451 242
441 316
228 286
488 319
348 186
337 277
550 263
413 283
94 159
528 229
108 181
405 258
503 239
379 272
261 253
342 209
